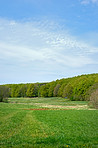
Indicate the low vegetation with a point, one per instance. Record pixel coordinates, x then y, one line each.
25 123
50 115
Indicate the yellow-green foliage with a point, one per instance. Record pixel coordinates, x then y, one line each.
75 88
94 98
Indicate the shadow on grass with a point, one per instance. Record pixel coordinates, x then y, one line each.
53 141
61 142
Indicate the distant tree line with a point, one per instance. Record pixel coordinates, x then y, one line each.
75 88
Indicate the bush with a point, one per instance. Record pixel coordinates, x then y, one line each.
94 99
5 100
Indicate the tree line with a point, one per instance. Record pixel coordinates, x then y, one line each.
75 88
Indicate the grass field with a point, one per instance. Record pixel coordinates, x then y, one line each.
55 127
52 100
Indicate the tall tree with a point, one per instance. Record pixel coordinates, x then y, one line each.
30 90
44 90
4 92
51 89
56 89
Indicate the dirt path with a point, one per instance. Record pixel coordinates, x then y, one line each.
62 107
55 107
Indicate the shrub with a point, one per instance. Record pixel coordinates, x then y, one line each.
94 99
5 100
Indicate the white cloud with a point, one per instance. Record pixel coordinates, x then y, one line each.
41 46
35 41
94 1
85 2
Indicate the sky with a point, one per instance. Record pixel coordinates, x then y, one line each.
45 40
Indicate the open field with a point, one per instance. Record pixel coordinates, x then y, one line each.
29 123
52 103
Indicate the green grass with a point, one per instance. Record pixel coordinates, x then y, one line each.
21 128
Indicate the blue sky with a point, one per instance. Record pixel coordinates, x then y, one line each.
45 40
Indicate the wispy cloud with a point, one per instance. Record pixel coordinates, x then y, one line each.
42 46
85 2
39 41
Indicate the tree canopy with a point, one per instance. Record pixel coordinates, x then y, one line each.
75 88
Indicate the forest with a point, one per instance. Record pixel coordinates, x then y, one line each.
78 88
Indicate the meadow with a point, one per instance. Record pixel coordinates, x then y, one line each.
47 123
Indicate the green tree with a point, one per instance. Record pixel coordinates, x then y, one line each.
44 90
30 90
4 93
94 99
81 87
51 89
68 90
56 89
36 89
15 90
23 90
91 90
